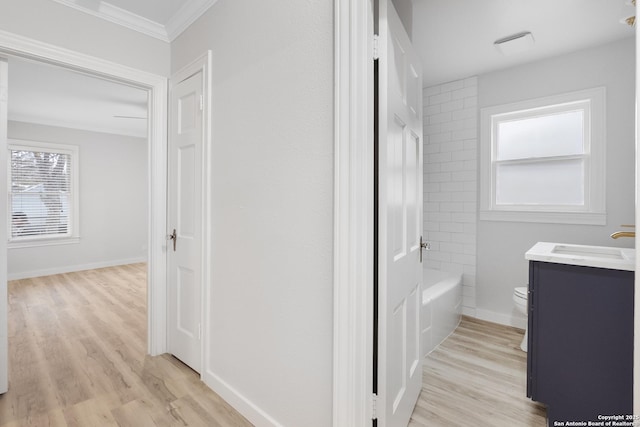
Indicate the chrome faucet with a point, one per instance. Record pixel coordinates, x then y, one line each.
624 233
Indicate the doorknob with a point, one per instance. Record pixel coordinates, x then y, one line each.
173 236
423 245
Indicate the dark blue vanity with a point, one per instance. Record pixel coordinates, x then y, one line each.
580 359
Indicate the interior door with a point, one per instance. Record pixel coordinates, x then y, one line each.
399 220
184 246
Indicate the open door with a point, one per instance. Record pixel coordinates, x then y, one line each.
399 220
184 251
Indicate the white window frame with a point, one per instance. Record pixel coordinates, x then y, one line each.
73 235
592 102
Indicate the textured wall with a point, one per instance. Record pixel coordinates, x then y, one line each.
271 305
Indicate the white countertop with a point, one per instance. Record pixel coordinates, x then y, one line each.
589 256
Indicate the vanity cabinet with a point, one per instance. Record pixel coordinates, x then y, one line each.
580 358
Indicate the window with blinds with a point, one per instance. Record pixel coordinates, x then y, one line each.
42 193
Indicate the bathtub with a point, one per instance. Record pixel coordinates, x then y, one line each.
441 307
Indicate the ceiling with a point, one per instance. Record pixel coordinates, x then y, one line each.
454 38
44 94
48 95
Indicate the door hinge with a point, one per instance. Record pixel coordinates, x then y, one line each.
374 406
376 47
201 102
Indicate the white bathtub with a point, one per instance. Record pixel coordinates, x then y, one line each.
441 307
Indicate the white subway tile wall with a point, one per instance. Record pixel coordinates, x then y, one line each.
451 182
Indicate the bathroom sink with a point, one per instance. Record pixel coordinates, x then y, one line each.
590 256
589 251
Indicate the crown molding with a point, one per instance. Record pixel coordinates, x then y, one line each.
121 17
132 21
179 22
186 16
69 124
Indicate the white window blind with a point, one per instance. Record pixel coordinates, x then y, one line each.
42 198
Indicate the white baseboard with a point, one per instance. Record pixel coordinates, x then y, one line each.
72 268
239 402
501 318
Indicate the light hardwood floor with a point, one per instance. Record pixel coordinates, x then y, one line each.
477 377
77 345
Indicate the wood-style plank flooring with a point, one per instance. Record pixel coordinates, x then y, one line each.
477 377
77 345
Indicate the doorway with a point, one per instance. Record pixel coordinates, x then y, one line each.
14 45
82 189
353 342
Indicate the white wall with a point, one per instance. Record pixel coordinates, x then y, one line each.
501 245
272 130
451 180
113 203
59 25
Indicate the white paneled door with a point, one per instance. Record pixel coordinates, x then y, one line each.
184 246
399 221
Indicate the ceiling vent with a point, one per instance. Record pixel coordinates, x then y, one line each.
515 43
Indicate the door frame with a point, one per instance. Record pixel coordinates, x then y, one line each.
636 313
353 213
202 64
4 306
353 399
15 45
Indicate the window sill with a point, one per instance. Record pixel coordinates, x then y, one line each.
42 242
577 218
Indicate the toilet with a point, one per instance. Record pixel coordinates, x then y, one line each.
520 298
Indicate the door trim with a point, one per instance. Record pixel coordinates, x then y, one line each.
203 64
15 45
4 306
636 313
353 214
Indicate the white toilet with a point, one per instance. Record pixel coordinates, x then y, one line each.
520 298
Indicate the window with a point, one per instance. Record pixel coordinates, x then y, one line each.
43 197
544 160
